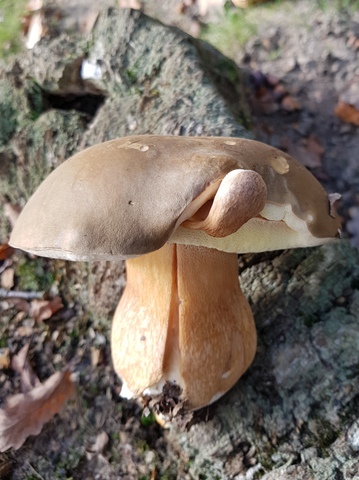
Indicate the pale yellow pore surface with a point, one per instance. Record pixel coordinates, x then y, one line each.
217 331
140 324
183 319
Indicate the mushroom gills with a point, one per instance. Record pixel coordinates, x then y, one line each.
186 322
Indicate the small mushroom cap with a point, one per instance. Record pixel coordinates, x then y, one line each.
129 196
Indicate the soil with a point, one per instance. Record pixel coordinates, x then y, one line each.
299 61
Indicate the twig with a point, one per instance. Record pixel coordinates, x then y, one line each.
34 471
23 295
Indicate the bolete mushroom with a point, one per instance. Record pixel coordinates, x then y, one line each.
178 209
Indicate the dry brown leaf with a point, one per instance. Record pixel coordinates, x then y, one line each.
33 23
20 304
35 31
26 413
347 108
353 41
12 212
135 4
308 151
7 278
247 3
290 104
347 113
314 146
41 310
4 358
96 356
101 441
5 251
25 331
6 467
33 5
21 365
88 21
209 7
270 94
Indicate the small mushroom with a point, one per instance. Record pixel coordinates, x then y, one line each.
178 209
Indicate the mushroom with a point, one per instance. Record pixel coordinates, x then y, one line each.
179 210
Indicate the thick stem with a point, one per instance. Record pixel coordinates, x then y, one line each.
183 319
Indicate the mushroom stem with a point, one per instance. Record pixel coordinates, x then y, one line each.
183 319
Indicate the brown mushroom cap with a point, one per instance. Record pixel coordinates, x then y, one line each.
129 196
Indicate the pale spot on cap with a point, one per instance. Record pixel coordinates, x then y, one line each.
280 164
136 146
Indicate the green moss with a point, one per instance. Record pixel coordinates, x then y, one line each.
326 435
11 12
310 320
148 420
345 6
231 32
35 99
12 110
67 465
142 446
34 275
132 75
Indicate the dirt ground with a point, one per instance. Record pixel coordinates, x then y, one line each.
301 57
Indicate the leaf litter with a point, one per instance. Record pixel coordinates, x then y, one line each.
25 414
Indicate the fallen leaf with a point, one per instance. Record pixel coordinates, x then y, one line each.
96 356
33 5
87 21
314 145
353 41
41 310
270 94
25 414
33 23
35 30
25 331
12 212
290 104
347 108
101 441
21 365
5 251
4 358
6 467
135 4
247 3
308 151
19 303
347 113
7 278
351 94
208 7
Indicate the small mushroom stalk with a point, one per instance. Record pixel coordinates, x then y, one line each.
183 320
